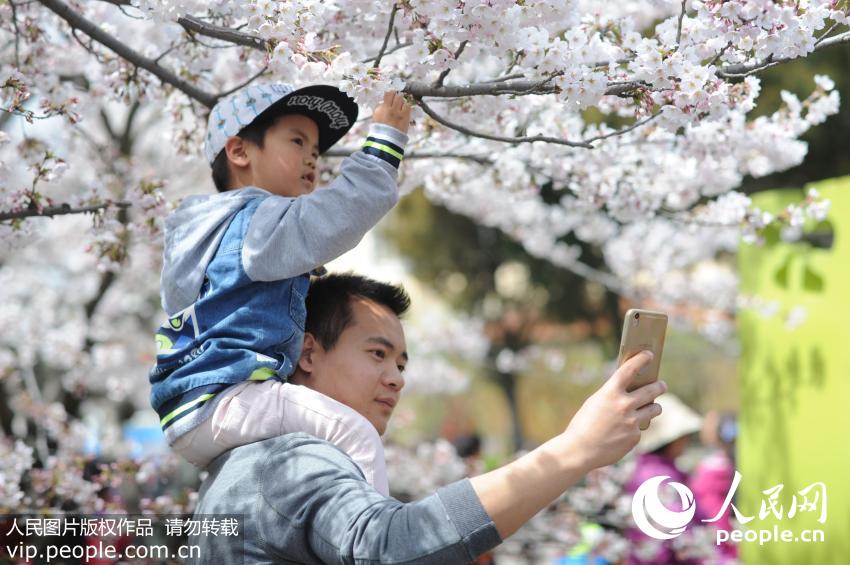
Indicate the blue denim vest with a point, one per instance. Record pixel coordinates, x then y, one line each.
237 329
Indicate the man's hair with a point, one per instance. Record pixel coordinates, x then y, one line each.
255 132
329 303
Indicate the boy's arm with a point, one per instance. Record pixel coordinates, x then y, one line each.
288 237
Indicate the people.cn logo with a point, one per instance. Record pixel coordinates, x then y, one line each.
656 520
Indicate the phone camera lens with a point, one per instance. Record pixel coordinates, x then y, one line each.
637 316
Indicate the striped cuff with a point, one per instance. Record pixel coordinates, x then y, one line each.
385 142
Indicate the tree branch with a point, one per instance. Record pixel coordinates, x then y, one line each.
89 308
445 73
520 87
107 125
679 26
196 25
524 139
607 280
246 83
825 34
17 33
61 210
743 70
126 139
480 159
200 27
26 114
77 21
392 49
122 4
517 86
390 29
634 126
504 78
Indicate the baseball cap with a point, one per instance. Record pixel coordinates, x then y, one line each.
332 110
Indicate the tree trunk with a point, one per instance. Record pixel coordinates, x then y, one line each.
507 382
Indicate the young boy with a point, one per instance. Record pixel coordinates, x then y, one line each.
237 266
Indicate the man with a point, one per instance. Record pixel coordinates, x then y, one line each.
305 501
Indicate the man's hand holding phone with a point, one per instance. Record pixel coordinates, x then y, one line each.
606 427
608 424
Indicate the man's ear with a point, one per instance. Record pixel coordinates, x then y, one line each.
237 151
308 352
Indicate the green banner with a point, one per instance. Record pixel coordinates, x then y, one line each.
795 386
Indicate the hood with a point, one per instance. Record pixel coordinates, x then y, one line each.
192 235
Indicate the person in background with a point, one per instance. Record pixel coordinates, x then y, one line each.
713 475
666 439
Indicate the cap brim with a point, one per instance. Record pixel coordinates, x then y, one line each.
333 120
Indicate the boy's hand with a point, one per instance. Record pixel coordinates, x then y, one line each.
393 111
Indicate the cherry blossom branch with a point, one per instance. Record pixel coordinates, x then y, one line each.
524 139
196 25
834 40
585 143
390 29
28 115
170 49
825 34
88 48
679 25
504 78
90 307
122 5
200 27
260 73
61 210
520 87
607 280
480 159
743 70
445 73
17 33
515 84
719 54
77 21
34 391
392 49
627 129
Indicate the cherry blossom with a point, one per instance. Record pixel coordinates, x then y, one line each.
625 124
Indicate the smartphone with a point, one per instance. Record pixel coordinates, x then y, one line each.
642 330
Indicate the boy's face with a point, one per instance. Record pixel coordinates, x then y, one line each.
286 164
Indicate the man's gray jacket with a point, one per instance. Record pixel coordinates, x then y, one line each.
302 500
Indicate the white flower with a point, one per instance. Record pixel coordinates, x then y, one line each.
824 82
818 211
